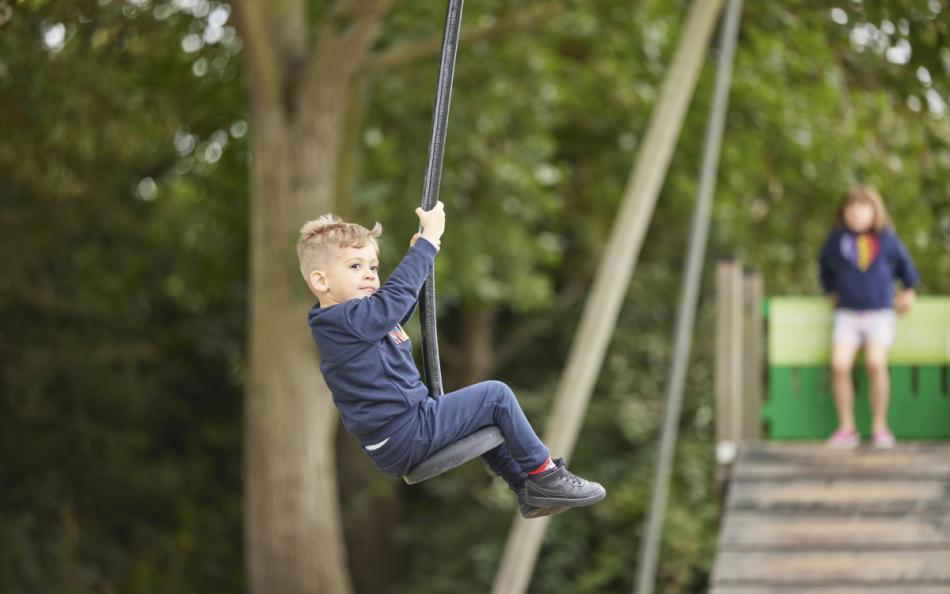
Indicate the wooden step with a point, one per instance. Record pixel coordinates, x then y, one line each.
891 496
869 589
804 519
833 568
801 460
764 531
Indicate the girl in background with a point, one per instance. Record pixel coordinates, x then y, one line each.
859 261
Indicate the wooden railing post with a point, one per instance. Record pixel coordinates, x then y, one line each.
729 353
753 338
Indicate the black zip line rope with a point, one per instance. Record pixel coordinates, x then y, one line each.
432 370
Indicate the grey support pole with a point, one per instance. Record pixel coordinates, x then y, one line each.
649 551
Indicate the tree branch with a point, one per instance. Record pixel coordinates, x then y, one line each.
411 51
264 77
349 30
515 343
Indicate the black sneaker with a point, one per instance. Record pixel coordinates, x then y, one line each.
559 487
530 511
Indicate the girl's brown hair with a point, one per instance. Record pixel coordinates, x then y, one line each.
861 194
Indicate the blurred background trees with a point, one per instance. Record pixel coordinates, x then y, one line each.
124 160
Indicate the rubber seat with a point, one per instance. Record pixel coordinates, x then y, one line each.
460 452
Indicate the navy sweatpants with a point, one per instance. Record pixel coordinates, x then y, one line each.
442 421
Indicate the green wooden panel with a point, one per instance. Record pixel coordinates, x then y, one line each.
799 332
800 403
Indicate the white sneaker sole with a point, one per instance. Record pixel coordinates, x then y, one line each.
565 502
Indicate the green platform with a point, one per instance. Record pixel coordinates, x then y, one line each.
800 404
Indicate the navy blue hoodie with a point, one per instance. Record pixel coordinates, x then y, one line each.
366 356
861 267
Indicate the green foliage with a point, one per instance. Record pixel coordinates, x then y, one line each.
122 298
821 115
809 114
121 305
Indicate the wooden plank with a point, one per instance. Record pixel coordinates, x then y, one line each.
823 568
866 589
812 447
753 359
803 519
764 531
796 460
728 375
895 496
815 448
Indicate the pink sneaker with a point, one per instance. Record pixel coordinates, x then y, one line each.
843 439
883 440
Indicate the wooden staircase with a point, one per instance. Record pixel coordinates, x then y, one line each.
804 519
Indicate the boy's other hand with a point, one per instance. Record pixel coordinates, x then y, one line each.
904 299
415 238
833 297
433 223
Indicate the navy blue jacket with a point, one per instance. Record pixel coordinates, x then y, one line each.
861 268
366 356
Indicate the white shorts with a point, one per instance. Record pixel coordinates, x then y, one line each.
861 327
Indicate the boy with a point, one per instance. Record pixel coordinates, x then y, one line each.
366 359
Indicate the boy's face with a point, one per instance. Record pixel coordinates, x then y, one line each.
859 217
352 274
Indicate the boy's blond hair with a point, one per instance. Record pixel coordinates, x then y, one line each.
862 194
321 237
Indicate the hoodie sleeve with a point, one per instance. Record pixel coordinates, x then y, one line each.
902 265
371 318
412 310
827 264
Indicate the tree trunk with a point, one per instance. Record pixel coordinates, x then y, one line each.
372 511
476 345
293 532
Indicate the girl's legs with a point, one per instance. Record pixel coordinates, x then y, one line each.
842 362
875 359
876 330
